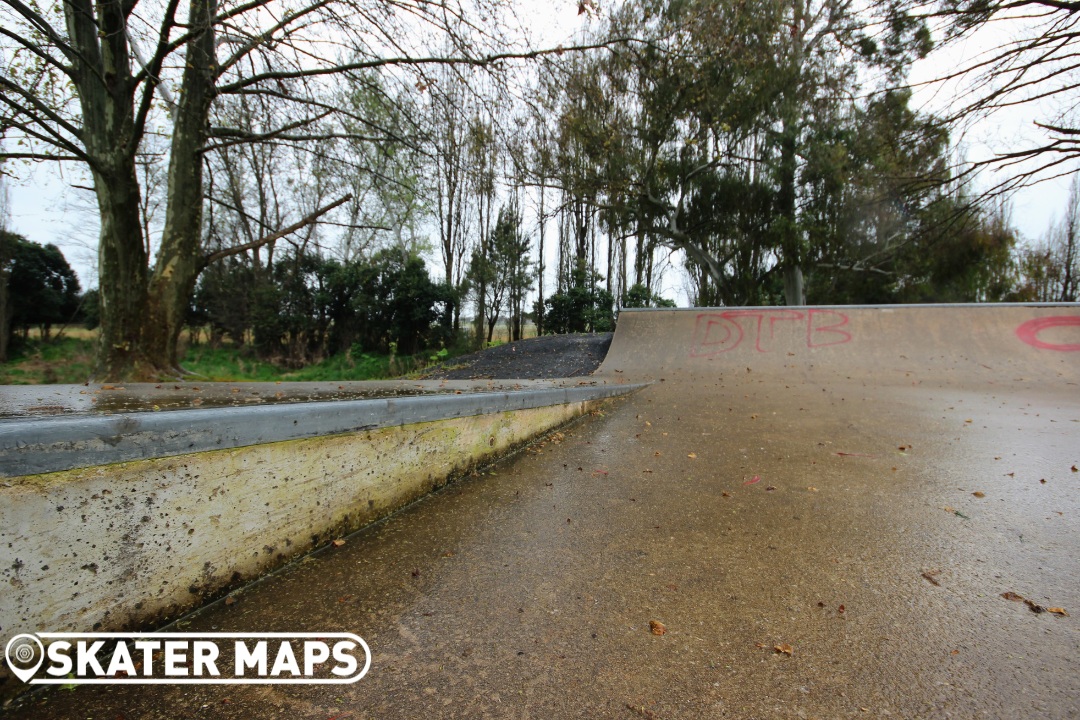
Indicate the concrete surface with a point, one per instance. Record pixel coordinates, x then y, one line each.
123 546
822 509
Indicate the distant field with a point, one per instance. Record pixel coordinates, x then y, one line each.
70 359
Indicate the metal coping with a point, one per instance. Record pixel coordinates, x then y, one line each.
42 445
897 306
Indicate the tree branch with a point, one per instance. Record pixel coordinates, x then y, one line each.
1060 130
36 50
383 62
303 222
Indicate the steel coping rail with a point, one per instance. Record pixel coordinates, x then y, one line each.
43 445
896 306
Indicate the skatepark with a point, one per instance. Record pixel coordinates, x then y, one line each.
790 513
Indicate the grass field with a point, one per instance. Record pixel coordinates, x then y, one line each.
70 359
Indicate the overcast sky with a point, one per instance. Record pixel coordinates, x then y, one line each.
45 209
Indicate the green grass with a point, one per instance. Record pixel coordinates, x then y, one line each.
67 360
227 364
71 360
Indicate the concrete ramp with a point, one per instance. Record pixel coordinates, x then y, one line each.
961 343
808 513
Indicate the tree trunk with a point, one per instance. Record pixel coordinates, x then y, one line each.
540 268
790 245
141 315
122 268
105 89
7 243
179 260
790 242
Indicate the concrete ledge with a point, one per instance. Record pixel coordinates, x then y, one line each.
51 444
130 544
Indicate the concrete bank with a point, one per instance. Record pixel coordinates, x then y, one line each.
119 521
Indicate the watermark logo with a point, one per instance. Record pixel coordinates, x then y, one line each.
188 658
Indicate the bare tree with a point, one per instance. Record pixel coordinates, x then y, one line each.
86 80
1051 269
1034 68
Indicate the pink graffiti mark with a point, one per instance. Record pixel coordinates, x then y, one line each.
1029 332
722 332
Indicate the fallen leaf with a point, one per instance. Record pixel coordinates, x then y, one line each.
692 456
812 489
338 543
1042 481
725 494
784 648
1074 469
230 600
979 494
656 627
1057 611
929 576
1010 595
656 454
1034 606
769 488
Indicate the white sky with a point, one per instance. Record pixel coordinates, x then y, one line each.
46 209
1036 207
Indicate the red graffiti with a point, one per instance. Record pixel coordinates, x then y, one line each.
720 332
1029 332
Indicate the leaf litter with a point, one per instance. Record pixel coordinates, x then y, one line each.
1032 605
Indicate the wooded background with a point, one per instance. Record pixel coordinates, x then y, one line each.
282 173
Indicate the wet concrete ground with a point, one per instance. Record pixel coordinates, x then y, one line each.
833 519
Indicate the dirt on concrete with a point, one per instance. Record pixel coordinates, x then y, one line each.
544 357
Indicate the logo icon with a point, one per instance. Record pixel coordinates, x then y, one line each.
25 654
